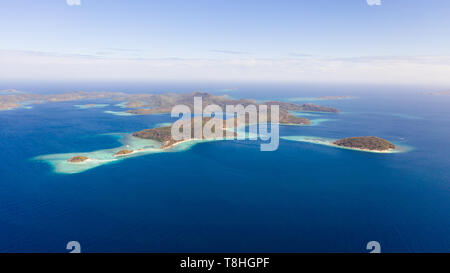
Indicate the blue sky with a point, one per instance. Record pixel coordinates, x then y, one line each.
219 36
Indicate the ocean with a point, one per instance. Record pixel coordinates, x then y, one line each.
228 196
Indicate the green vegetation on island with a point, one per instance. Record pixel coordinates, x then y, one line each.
287 118
147 104
163 104
160 134
366 143
123 152
307 107
164 134
77 159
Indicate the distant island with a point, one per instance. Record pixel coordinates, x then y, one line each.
321 98
335 97
8 105
123 152
439 93
157 104
365 143
16 99
166 102
147 104
90 105
77 159
307 107
9 91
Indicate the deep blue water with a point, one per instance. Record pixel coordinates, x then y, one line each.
229 196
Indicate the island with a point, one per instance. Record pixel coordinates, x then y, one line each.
439 93
164 134
9 105
335 97
307 107
16 99
148 104
77 159
9 91
371 143
150 111
163 104
123 152
288 119
160 134
90 105
157 104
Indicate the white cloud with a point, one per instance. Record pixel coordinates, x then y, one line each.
374 2
24 65
230 52
73 2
